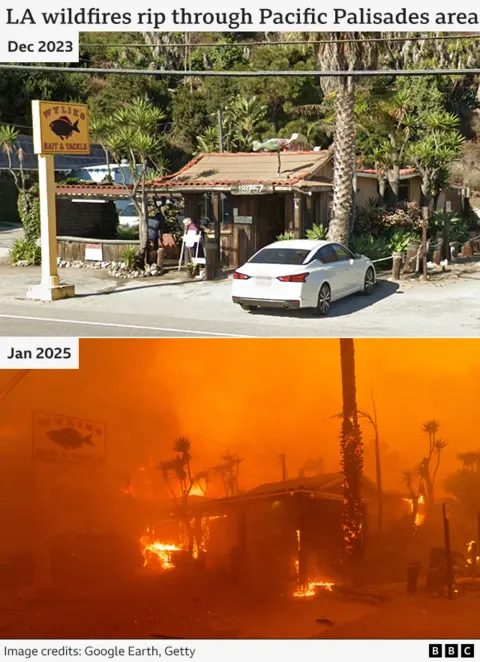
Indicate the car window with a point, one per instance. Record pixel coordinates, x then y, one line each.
342 253
326 254
129 211
280 256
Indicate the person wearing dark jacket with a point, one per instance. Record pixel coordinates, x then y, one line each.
155 230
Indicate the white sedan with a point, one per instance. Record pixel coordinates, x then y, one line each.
301 273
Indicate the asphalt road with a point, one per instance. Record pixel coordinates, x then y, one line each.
104 307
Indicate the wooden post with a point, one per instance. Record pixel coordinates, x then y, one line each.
284 466
50 288
297 215
217 226
448 555
478 530
220 130
424 240
43 538
397 266
445 238
160 259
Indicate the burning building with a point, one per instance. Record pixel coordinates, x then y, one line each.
283 538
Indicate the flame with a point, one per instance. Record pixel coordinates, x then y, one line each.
421 499
155 550
419 519
470 546
310 588
197 491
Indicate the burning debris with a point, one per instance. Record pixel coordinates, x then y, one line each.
311 589
158 552
472 553
308 588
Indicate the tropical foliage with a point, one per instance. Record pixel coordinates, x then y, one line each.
157 123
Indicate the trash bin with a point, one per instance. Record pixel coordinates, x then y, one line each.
413 572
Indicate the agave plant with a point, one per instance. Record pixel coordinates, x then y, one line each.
285 236
317 232
400 240
373 247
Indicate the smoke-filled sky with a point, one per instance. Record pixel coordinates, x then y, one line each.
258 398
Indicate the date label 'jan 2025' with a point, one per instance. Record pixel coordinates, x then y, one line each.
39 353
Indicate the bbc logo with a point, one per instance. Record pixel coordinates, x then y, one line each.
451 650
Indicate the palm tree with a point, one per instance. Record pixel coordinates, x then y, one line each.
435 448
438 146
100 131
228 472
179 468
352 453
244 120
208 141
134 136
9 145
342 53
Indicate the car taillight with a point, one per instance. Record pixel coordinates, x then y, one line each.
296 278
239 276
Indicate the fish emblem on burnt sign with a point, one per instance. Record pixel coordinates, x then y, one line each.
70 439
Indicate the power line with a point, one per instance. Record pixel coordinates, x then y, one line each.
243 74
249 44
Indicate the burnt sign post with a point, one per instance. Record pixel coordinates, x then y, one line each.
60 444
58 128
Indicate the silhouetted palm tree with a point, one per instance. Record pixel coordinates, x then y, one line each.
352 453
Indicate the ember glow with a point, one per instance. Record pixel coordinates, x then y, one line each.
155 551
471 552
419 519
310 588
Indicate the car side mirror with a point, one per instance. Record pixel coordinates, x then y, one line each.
358 256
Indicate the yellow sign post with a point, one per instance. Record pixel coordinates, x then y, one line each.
58 128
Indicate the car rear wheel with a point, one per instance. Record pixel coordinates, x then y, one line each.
247 306
369 282
324 299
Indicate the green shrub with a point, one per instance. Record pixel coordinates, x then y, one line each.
371 246
129 256
317 232
457 226
399 240
127 234
376 220
285 236
25 250
31 218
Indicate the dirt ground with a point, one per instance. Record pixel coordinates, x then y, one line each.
152 608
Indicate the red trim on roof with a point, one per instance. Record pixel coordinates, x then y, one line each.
372 171
92 189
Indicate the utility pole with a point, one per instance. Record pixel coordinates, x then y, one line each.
220 129
284 466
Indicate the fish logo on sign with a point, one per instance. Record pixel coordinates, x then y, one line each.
63 127
67 439
70 438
